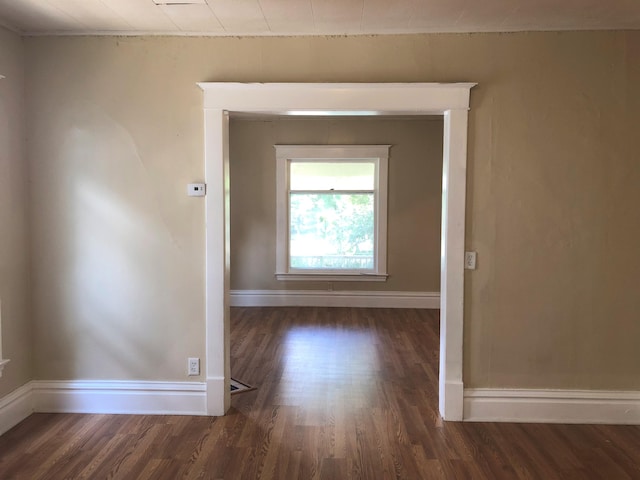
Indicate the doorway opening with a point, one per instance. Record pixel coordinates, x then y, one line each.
449 100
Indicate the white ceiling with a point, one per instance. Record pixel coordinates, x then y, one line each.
312 17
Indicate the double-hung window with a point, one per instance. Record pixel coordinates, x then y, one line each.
332 212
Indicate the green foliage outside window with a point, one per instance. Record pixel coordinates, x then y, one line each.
332 230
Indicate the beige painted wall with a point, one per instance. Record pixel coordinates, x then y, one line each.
414 189
116 132
118 246
16 328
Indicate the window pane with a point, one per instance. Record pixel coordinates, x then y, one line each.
332 175
332 231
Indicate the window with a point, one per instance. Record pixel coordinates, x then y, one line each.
332 212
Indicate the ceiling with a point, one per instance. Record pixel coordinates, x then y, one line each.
312 17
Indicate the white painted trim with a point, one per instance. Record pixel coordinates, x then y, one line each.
282 213
102 396
381 206
337 98
378 155
449 100
218 395
552 406
341 152
332 277
15 407
314 298
216 123
454 187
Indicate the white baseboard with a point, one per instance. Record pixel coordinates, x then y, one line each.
552 406
82 396
15 407
218 398
152 398
451 403
189 398
323 298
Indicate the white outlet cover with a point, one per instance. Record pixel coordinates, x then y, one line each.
470 260
193 366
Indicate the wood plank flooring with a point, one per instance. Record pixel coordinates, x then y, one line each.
342 394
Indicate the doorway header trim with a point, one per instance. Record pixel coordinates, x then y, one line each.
337 98
449 100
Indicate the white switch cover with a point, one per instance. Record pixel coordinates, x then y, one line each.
470 260
196 189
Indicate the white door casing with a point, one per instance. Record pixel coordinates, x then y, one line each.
367 99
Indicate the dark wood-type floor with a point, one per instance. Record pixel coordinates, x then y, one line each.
342 393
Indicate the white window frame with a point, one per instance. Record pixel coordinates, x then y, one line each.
379 155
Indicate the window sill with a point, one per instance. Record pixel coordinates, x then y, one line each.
2 364
333 277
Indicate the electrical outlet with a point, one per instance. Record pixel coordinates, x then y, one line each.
470 260
193 367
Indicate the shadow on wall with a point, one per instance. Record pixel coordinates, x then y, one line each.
105 310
